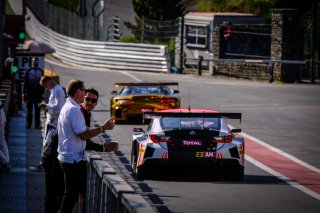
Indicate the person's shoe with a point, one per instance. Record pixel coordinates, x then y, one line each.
38 168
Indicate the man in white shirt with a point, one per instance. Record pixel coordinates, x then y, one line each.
49 163
57 99
72 134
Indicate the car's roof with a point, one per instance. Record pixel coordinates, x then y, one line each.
145 84
187 110
194 112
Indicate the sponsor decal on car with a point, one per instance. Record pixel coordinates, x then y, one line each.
192 142
164 155
142 149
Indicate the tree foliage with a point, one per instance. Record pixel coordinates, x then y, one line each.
258 7
66 4
159 10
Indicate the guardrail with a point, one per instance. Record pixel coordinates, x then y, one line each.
108 55
108 192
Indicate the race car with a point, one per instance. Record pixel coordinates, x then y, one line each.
188 136
136 98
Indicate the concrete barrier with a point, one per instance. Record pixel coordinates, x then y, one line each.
107 55
107 191
135 203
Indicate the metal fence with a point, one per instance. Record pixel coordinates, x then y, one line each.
248 42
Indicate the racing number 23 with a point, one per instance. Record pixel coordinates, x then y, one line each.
205 154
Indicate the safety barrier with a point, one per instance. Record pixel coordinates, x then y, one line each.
107 191
107 55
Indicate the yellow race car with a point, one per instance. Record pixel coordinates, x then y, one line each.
136 98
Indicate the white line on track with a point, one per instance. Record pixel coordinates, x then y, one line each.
280 152
284 178
277 174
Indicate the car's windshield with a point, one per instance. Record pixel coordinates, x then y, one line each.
131 90
189 122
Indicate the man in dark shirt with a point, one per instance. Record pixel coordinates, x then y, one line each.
89 103
33 92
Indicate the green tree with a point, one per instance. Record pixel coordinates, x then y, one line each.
156 21
159 10
258 7
66 4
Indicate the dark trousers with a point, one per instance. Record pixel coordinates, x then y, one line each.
75 175
33 102
54 184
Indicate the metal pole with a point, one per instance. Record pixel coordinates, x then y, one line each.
314 38
200 65
270 67
181 43
142 31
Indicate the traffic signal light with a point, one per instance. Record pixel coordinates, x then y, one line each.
14 29
14 68
116 30
21 32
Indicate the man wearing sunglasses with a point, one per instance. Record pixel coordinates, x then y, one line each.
89 103
72 136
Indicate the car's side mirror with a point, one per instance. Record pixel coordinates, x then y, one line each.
235 130
175 91
113 92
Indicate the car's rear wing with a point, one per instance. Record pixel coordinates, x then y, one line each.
146 84
227 115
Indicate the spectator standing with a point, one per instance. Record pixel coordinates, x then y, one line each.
4 152
55 103
228 36
89 103
53 107
33 92
54 185
72 135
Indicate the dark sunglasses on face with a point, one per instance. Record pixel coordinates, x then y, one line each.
92 100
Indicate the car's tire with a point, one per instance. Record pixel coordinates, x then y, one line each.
237 173
140 173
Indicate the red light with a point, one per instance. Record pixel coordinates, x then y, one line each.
125 101
156 139
167 100
223 139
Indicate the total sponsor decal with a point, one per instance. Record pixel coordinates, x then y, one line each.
191 142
